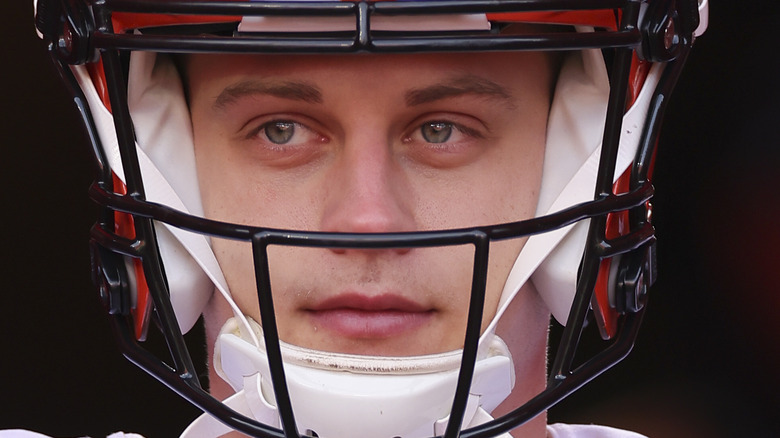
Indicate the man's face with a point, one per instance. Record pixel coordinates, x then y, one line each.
367 144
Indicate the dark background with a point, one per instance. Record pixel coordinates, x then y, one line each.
705 365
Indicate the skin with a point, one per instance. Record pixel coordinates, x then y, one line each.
374 144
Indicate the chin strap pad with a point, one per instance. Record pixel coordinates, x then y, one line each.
371 394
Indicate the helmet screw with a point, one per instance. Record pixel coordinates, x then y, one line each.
66 39
671 38
639 292
649 212
103 290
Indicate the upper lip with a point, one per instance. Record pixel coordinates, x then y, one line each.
376 303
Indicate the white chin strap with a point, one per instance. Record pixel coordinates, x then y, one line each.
348 396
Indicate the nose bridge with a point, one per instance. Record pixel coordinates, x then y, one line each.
368 192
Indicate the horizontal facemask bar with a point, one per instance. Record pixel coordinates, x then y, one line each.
529 227
360 38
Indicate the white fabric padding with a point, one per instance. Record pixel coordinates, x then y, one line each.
704 17
560 430
156 104
155 99
575 124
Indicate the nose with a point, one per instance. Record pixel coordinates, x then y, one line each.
368 190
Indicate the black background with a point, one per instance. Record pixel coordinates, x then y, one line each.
705 365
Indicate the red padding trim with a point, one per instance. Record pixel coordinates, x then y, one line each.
98 76
602 18
124 21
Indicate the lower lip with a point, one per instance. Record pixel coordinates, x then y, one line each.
365 324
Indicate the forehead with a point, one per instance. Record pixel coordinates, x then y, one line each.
379 72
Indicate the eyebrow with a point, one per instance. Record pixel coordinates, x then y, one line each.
292 90
459 86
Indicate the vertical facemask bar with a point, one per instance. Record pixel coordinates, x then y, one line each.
260 244
591 258
473 332
481 242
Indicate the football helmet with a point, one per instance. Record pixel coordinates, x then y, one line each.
589 249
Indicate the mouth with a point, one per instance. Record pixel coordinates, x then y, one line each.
358 316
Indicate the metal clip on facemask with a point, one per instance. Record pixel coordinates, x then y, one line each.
667 25
109 274
636 273
66 25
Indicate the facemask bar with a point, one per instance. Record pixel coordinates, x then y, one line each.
477 238
362 39
182 378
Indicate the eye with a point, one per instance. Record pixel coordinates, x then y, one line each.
445 132
445 140
436 132
279 132
282 132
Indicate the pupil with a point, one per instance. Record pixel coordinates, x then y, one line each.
436 132
280 132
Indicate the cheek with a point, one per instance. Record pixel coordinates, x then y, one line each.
502 186
511 194
235 260
234 189
502 258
